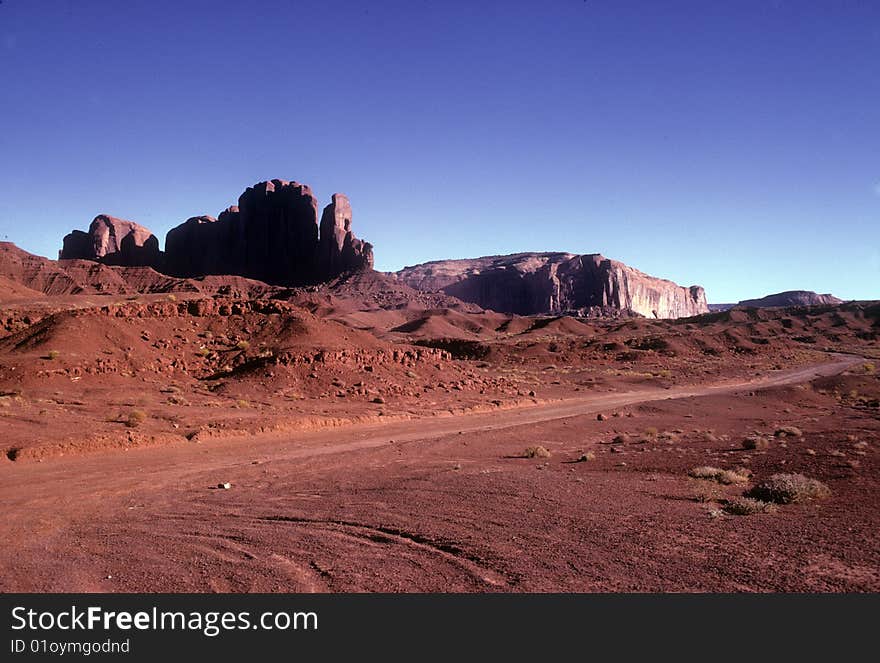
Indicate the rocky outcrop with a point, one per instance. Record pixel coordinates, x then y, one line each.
339 251
113 241
272 236
556 283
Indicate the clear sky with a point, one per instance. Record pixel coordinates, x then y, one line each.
731 144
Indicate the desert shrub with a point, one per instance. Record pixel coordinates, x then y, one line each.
135 418
243 345
789 489
755 442
705 472
172 297
536 452
585 457
869 367
651 432
204 352
746 506
707 493
788 431
53 354
728 477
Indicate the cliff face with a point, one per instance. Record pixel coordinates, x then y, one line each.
272 235
556 283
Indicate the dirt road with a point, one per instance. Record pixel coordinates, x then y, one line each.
365 508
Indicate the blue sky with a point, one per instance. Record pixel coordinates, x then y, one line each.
731 144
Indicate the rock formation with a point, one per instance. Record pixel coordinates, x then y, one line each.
792 298
339 250
272 236
112 241
556 283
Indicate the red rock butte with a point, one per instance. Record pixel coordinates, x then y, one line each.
272 235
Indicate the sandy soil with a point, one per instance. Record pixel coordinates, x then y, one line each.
450 503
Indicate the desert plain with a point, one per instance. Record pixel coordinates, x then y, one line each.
357 435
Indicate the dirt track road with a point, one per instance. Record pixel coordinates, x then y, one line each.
349 509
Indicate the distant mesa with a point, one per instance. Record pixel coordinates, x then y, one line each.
556 283
272 235
783 299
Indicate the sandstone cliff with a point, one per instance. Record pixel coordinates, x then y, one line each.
556 283
112 241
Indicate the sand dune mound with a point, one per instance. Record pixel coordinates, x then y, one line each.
564 325
445 323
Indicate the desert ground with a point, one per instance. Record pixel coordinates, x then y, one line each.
347 439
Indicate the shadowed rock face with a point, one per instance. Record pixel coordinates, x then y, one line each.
556 283
272 236
339 250
113 241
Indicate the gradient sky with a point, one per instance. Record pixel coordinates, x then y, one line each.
731 144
